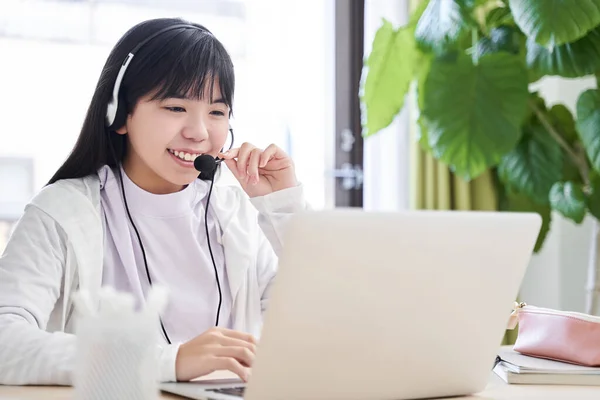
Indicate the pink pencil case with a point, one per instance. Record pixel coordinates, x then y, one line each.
557 335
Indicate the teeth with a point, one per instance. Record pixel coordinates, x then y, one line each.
184 156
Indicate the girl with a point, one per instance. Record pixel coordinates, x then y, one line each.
127 210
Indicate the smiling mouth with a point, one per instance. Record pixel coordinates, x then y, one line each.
189 157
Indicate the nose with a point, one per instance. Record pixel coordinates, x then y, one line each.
196 129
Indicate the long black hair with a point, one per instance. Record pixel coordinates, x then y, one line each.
179 62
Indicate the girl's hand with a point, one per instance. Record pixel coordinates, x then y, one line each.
261 172
216 349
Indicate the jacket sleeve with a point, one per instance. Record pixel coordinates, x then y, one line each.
274 211
32 271
31 275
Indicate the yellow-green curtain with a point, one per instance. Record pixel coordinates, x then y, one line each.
434 187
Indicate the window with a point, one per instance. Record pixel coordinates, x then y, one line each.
16 183
53 52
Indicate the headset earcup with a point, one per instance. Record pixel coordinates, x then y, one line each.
121 115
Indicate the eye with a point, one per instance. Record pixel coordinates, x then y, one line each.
218 113
176 109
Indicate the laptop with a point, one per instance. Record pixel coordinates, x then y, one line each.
385 305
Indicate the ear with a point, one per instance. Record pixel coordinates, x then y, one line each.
122 130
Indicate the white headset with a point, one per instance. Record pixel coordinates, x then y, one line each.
113 104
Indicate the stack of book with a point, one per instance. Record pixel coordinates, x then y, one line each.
516 368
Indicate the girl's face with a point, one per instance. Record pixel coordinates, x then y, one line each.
164 137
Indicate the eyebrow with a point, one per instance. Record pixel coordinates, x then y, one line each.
219 100
184 97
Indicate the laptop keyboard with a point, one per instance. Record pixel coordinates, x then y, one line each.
234 391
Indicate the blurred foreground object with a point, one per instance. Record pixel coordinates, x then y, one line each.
117 354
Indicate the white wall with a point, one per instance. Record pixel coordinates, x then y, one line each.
557 275
45 99
386 154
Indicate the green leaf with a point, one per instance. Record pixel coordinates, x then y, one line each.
474 112
421 121
570 60
540 103
503 38
516 202
570 171
485 46
499 16
471 4
442 24
563 121
592 198
418 13
568 199
391 66
534 165
555 22
533 74
588 124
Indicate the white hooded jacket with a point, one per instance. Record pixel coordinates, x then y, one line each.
57 247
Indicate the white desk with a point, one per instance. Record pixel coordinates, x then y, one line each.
496 390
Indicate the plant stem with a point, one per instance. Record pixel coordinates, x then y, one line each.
474 40
581 164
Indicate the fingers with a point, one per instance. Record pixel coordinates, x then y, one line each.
241 354
227 337
233 365
249 162
276 165
238 335
241 168
230 154
253 161
243 158
232 342
267 155
215 349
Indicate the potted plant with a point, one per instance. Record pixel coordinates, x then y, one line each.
472 64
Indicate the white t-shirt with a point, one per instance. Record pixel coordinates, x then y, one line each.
173 234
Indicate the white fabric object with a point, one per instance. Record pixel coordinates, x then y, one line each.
116 346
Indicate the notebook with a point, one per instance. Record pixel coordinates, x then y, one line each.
516 368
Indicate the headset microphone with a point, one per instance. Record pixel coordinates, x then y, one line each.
206 165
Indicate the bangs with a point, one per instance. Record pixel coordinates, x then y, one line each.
187 65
